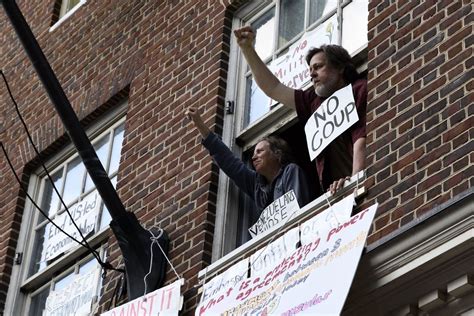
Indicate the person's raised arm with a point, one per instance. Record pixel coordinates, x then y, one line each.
193 114
265 79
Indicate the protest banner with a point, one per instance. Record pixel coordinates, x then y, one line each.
268 257
228 278
164 301
315 279
279 210
333 117
76 297
326 220
84 214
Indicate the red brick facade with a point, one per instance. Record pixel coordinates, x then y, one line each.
420 111
166 55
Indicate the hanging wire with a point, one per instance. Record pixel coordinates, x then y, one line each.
84 243
155 240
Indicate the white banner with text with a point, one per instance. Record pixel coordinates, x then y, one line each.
267 258
76 297
164 301
332 118
84 214
278 211
315 279
229 278
330 218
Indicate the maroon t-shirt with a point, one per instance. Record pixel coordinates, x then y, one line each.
335 161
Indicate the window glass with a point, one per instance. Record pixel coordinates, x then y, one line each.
258 103
291 21
50 202
38 302
71 4
354 30
88 266
50 242
102 150
63 282
319 8
73 183
71 293
116 148
37 264
105 215
264 28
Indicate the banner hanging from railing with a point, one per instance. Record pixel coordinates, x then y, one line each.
265 259
314 279
164 301
327 219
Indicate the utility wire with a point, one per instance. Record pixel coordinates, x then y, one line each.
104 265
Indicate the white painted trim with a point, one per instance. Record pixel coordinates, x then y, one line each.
67 15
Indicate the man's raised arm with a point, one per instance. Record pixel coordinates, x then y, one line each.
265 79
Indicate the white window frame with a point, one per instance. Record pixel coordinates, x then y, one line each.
64 15
225 231
22 286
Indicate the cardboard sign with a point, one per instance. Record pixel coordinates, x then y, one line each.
84 214
267 258
279 210
314 280
327 219
229 278
333 117
76 298
165 301
291 68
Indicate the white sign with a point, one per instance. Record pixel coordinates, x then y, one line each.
333 117
76 298
291 69
326 220
229 278
84 214
313 280
279 210
265 259
165 301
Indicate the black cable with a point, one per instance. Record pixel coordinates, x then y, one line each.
104 265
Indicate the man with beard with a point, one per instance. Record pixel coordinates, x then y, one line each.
331 68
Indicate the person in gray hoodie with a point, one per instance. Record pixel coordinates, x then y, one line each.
274 173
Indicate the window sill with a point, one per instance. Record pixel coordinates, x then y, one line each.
67 15
304 214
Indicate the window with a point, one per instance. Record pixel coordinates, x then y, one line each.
54 264
279 26
282 23
63 9
73 291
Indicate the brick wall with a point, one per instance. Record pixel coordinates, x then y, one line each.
420 111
